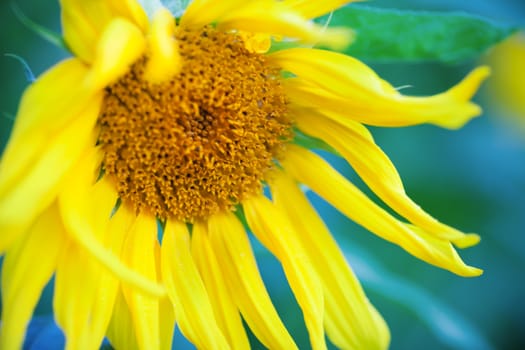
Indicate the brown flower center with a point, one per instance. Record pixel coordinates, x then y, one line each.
202 141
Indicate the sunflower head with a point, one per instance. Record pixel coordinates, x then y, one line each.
202 141
157 122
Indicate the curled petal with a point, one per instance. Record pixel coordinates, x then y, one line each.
356 145
334 82
313 171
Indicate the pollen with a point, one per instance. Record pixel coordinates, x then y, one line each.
201 142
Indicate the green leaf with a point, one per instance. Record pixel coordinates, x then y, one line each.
395 35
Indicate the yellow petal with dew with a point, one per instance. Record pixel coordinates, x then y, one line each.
230 242
120 332
119 45
313 171
336 82
272 228
23 280
140 252
84 22
32 188
186 290
356 145
164 60
83 302
273 17
220 296
202 12
351 321
85 215
313 9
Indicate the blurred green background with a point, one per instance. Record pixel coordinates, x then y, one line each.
473 179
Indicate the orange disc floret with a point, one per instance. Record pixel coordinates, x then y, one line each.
201 142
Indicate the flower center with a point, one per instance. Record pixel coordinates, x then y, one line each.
202 141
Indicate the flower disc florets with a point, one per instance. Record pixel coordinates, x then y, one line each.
201 141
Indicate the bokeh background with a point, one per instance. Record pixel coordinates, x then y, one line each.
473 179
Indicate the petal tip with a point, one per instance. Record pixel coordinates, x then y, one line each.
468 240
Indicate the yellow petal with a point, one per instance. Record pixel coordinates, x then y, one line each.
356 145
313 9
313 171
230 242
351 321
202 12
335 82
164 60
40 160
270 225
166 320
220 296
74 294
141 253
119 45
186 290
103 306
256 42
86 212
274 18
83 22
85 291
52 102
121 333
23 279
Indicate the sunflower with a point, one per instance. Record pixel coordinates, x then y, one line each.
136 167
